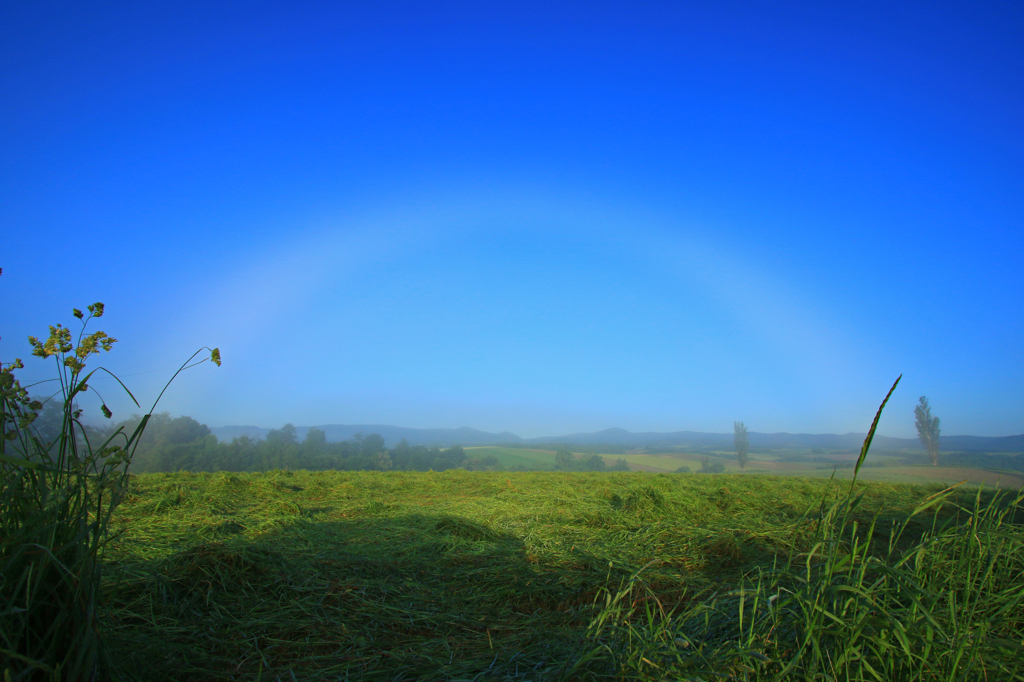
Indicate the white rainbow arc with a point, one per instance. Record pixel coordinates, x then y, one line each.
285 277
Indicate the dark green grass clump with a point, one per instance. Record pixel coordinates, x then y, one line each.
457 575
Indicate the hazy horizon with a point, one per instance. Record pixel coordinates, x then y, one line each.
532 436
538 219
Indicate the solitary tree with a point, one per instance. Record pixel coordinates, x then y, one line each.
927 430
742 444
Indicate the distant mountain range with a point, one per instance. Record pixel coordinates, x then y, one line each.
622 438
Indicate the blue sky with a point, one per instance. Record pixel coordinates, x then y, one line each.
539 218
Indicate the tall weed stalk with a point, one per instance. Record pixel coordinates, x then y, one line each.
56 501
862 603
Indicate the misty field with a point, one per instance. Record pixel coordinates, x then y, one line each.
534 576
893 469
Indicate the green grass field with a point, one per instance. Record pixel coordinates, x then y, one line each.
516 457
433 576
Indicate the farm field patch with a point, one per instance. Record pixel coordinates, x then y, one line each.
515 457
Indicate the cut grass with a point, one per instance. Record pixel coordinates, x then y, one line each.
453 575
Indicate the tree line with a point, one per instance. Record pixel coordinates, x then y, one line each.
171 444
183 444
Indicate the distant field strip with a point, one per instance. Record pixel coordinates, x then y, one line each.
512 457
669 463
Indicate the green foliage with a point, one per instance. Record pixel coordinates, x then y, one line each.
564 459
283 436
60 486
55 503
927 429
486 463
315 438
620 465
742 441
161 451
709 467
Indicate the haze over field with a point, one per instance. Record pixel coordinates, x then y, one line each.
683 440
535 219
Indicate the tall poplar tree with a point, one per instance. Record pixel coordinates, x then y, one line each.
927 429
742 441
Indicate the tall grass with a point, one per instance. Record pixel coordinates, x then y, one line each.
862 604
56 502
